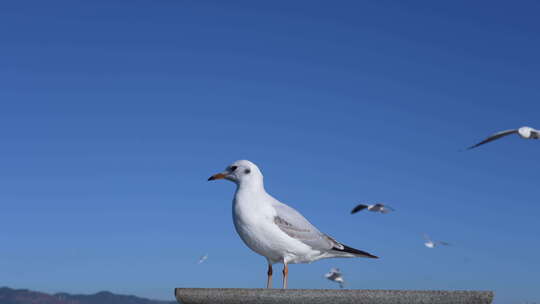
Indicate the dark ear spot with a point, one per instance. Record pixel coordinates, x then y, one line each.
247 171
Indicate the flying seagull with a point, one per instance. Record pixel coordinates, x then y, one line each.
429 243
274 230
374 208
336 276
523 132
202 259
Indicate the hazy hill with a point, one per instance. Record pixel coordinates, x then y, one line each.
24 296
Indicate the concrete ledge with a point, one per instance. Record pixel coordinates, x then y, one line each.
319 296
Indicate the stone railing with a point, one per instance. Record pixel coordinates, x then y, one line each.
327 296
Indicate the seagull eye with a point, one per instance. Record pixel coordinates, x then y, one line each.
233 168
247 171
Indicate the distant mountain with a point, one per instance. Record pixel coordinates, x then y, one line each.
25 296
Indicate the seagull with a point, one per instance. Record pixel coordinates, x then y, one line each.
336 276
523 132
429 243
375 208
202 259
274 230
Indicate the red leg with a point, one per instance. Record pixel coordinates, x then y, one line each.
269 280
285 275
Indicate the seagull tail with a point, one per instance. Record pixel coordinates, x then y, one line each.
356 252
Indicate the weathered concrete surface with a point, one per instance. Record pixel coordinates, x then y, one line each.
319 296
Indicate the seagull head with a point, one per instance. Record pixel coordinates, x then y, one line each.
525 132
429 244
240 172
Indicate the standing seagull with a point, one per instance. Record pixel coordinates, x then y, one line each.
523 132
429 243
374 208
273 229
336 276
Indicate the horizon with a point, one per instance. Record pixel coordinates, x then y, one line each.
117 112
35 295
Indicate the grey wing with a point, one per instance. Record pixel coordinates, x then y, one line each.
387 209
297 226
377 207
494 137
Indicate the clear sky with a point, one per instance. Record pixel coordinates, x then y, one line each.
114 113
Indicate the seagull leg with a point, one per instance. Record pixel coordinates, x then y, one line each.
269 280
285 275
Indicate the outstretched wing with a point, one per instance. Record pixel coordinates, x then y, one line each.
358 208
494 137
535 134
387 209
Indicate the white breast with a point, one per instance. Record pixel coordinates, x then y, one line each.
254 222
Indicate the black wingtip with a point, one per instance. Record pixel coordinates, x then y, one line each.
356 251
358 208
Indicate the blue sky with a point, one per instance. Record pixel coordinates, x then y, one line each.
114 113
